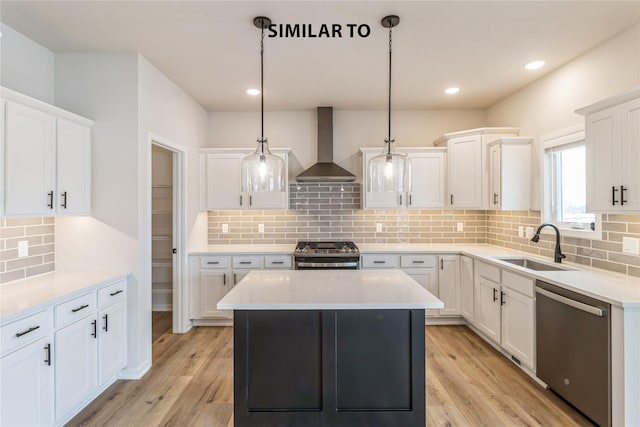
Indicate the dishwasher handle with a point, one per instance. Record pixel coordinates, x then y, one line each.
597 311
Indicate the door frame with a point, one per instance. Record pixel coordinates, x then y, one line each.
180 319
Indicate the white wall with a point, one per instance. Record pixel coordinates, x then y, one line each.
549 104
352 130
104 87
129 99
26 66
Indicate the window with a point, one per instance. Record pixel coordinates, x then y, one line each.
565 201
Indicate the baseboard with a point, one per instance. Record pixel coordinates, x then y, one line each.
212 322
435 321
134 374
162 307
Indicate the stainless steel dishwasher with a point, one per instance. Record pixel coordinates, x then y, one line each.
573 349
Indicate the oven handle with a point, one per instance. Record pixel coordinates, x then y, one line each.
327 264
568 301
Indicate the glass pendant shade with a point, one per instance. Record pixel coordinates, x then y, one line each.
389 171
262 171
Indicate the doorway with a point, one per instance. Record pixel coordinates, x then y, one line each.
162 239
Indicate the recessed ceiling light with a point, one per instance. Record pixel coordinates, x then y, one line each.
253 92
452 90
534 65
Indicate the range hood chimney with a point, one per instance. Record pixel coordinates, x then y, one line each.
325 170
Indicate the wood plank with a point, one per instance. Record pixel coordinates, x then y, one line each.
469 383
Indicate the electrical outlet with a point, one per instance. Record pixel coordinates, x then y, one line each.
460 226
260 228
520 231
631 245
529 232
23 248
378 227
225 228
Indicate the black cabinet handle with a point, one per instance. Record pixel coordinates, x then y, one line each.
50 204
400 199
495 198
622 190
495 298
224 279
213 262
116 292
451 199
277 262
64 200
441 264
94 334
502 301
410 199
235 279
613 196
82 307
417 262
106 323
47 360
245 262
31 329
241 200
250 200
379 262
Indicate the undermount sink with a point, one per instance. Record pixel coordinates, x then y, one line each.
534 265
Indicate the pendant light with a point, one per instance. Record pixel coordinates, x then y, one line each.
262 171
389 171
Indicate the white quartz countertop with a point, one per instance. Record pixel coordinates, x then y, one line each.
328 290
244 249
30 293
613 288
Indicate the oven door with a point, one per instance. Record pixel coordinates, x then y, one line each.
327 263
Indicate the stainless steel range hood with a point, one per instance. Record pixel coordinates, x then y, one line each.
325 170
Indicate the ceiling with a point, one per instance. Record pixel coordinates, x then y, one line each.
211 48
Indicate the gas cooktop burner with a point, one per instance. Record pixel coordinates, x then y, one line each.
327 248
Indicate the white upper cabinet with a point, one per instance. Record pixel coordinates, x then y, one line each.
47 159
221 182
613 153
510 173
29 161
468 166
428 166
73 168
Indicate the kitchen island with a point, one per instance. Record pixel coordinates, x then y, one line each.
329 348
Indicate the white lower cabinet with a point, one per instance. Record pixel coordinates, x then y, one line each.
439 274
55 361
212 276
112 341
504 311
76 368
26 386
449 284
466 287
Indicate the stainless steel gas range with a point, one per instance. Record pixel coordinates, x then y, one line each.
326 256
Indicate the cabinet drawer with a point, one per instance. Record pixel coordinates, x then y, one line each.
421 261
518 283
380 261
25 331
487 271
77 308
277 261
112 293
215 262
247 261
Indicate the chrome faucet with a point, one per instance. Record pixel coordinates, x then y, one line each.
558 255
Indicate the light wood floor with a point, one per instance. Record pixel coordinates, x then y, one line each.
191 384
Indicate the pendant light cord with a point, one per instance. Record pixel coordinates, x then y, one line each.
389 140
262 85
